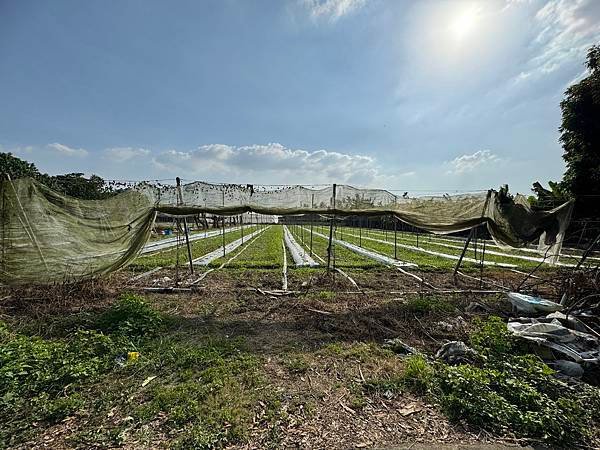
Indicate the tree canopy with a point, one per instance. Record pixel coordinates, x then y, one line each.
580 137
72 184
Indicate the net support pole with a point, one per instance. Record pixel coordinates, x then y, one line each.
223 224
312 219
482 264
360 225
395 237
330 246
242 226
464 250
185 227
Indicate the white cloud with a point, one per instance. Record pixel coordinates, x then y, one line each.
271 163
122 154
68 151
566 29
468 163
332 9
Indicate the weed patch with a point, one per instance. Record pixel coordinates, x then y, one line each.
508 392
35 374
210 392
428 305
132 317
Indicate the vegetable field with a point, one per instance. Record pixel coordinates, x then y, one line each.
256 344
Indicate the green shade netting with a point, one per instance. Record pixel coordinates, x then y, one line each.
48 237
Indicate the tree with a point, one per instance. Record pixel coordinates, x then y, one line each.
76 185
16 167
548 198
580 137
71 184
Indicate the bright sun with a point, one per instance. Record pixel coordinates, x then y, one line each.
463 24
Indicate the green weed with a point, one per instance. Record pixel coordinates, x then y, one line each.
131 316
428 305
35 372
510 391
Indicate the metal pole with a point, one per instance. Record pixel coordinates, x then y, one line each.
475 244
385 229
482 261
242 225
586 253
464 250
223 224
312 218
360 233
185 227
330 246
395 237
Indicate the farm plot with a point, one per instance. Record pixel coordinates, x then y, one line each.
200 247
263 252
167 242
343 256
439 252
235 362
526 257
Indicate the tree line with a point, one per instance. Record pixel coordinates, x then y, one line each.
71 184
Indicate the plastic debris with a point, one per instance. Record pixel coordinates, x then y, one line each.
557 339
397 346
457 352
148 380
568 368
530 304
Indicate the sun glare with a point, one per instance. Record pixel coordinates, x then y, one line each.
463 24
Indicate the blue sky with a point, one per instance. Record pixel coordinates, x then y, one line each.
410 95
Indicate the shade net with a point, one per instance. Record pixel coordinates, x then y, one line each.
48 237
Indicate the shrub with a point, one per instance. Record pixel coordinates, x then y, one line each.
131 316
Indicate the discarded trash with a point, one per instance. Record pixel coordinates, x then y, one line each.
569 368
148 380
530 304
556 338
456 323
120 360
456 352
397 346
476 307
409 409
444 325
